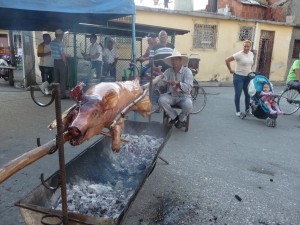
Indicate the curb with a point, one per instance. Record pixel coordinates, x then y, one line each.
230 84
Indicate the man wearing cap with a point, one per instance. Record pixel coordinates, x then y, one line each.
95 55
161 50
60 62
178 81
152 40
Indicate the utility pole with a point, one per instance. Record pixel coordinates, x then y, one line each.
28 58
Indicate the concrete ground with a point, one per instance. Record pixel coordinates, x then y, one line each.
223 171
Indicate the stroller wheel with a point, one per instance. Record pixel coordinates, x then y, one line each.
271 122
242 115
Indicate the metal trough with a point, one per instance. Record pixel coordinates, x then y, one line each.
95 166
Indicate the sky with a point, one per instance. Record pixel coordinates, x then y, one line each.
198 4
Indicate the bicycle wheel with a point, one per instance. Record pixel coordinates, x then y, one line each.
289 101
199 98
195 89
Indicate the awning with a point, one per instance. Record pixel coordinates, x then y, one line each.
48 15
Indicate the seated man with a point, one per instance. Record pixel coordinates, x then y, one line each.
152 40
178 81
160 51
294 75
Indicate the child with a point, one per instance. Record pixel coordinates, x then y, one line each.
269 100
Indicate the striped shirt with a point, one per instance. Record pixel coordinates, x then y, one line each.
159 52
57 48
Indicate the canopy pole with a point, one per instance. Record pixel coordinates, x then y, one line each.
75 56
173 38
133 53
133 42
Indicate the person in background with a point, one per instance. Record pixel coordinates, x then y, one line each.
293 78
60 62
152 40
160 51
110 59
178 80
244 63
95 55
46 63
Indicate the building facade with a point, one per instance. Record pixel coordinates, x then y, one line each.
216 36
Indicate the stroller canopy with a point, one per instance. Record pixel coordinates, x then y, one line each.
257 84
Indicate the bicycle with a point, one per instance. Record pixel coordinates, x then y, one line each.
289 100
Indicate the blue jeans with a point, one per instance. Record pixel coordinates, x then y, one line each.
108 69
145 69
47 74
97 65
241 84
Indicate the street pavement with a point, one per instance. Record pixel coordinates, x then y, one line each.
224 170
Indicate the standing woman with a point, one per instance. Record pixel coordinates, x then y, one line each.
244 62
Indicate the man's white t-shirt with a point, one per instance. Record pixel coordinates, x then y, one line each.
94 49
109 56
244 62
47 59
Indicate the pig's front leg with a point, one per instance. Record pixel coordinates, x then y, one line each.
116 135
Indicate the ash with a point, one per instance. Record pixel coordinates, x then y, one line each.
126 171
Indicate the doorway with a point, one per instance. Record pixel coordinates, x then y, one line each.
265 51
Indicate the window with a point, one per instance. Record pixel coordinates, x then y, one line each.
205 36
246 33
296 49
3 40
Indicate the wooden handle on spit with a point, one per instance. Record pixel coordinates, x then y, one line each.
27 158
24 160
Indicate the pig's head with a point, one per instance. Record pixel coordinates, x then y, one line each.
94 114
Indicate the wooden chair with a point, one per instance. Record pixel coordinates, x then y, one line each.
166 119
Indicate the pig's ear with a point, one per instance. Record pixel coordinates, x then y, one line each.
110 100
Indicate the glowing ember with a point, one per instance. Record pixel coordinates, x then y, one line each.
108 199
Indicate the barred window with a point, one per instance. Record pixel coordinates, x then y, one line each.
205 36
296 49
246 33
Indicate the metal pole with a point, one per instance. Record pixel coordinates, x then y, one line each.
60 144
133 43
75 59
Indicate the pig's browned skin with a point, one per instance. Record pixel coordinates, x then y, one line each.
99 106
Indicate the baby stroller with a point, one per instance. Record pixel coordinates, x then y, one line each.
258 108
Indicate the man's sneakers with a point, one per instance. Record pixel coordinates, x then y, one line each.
172 122
179 124
47 92
44 88
238 113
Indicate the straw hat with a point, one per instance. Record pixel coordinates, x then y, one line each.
175 54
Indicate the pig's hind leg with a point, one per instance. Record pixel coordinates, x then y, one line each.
116 132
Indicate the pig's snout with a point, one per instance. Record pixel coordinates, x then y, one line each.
74 132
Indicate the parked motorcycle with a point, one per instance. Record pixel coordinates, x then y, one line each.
6 69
